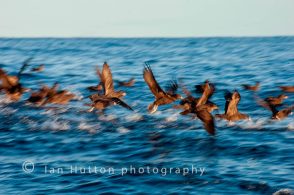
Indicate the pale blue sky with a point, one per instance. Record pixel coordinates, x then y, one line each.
145 18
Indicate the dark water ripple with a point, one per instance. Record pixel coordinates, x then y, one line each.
251 157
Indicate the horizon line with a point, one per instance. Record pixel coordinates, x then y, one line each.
141 37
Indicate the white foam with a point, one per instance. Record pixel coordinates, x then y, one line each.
123 130
291 126
7 110
5 100
55 125
134 117
172 118
285 191
90 128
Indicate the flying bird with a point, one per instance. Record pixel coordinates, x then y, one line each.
276 114
289 89
161 97
200 107
11 84
252 87
128 83
276 101
231 108
110 96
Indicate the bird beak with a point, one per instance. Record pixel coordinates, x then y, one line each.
286 97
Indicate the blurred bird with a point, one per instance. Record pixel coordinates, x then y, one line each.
110 96
231 108
276 101
129 83
289 89
161 97
252 87
207 90
38 97
11 84
276 114
47 95
95 88
60 97
39 68
200 107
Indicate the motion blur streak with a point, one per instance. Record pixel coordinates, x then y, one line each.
248 157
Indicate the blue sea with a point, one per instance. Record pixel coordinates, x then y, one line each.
67 150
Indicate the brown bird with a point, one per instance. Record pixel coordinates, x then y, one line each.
276 101
203 113
98 87
39 68
11 84
129 83
161 97
47 95
60 97
252 87
231 108
107 82
289 89
39 97
276 114
200 107
207 91
101 102
109 96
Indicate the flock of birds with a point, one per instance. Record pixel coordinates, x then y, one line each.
105 96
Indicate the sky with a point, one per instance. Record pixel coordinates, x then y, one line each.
145 18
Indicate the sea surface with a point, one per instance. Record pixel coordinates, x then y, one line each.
67 150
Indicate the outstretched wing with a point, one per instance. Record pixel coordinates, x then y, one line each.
107 79
98 72
121 103
207 93
265 104
152 83
172 87
207 119
24 66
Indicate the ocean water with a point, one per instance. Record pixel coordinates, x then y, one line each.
66 150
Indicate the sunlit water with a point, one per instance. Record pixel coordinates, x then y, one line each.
249 157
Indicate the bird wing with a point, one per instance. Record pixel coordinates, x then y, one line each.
207 119
265 104
152 83
121 103
25 64
207 93
172 87
107 80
